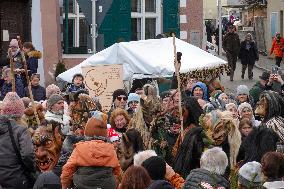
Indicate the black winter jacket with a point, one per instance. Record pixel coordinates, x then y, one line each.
231 43
11 171
248 56
38 93
199 176
258 142
189 153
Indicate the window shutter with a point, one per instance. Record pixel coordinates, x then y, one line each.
171 17
116 22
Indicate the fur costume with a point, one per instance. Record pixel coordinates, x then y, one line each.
223 129
146 112
30 117
81 110
150 104
189 153
271 109
131 143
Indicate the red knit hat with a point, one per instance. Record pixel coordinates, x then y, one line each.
97 126
13 106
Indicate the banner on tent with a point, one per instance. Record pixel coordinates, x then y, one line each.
102 80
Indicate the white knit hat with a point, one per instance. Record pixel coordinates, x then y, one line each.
242 89
244 105
250 174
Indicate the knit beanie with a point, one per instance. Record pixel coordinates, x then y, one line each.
244 105
14 43
156 167
242 89
97 125
250 174
133 97
231 105
12 105
53 99
117 93
52 89
160 184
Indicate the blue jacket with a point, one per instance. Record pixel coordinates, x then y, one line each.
20 89
73 88
38 93
32 61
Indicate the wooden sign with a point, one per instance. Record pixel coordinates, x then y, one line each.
102 80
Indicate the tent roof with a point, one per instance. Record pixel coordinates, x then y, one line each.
148 58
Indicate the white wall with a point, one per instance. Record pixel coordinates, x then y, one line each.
37 36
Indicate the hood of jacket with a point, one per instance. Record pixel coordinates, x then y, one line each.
96 153
204 89
35 54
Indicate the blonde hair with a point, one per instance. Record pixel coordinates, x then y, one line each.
117 112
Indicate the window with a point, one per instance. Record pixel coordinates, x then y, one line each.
145 19
77 29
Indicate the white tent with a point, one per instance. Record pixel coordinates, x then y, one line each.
148 58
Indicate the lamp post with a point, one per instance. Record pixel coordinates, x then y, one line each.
219 6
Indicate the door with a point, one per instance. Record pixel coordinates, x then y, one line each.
16 18
171 17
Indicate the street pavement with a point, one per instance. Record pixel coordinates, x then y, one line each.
264 64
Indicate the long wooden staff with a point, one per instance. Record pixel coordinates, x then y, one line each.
12 73
30 87
177 68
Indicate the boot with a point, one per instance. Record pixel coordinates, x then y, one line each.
232 76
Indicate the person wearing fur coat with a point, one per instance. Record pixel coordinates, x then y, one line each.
32 56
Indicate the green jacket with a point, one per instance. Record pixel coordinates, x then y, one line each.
255 91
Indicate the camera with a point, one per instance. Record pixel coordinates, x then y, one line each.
275 70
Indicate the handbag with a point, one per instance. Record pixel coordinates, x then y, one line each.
30 177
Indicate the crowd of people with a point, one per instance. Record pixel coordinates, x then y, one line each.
63 139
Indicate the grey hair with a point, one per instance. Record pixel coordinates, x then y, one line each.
140 157
214 160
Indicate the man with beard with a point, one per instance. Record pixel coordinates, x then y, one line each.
55 112
47 141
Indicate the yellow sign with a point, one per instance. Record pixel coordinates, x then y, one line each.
102 80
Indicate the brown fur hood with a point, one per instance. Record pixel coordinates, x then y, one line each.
36 54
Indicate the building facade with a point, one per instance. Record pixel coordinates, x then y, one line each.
64 30
275 20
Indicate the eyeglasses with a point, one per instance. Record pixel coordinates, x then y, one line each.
119 98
